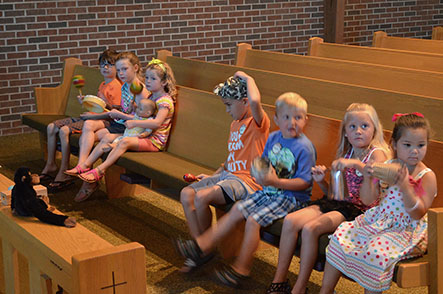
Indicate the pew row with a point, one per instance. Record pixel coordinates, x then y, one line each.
405 80
437 33
382 40
324 98
74 258
382 56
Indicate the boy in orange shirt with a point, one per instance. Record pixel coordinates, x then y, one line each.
110 92
232 181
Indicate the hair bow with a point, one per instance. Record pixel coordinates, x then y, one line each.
417 186
158 62
397 115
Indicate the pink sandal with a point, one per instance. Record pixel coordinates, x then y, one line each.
78 171
96 172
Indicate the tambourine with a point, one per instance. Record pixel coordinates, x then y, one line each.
94 104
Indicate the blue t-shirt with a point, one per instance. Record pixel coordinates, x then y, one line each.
291 158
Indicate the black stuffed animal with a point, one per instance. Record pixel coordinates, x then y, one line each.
24 201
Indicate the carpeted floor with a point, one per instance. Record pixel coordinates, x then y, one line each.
152 219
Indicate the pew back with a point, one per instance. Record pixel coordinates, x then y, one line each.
382 40
418 82
324 98
382 56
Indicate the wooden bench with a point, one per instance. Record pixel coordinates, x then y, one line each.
324 98
382 56
384 77
74 258
207 149
382 40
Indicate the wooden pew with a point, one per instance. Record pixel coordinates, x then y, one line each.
382 56
405 80
74 258
382 40
437 33
324 97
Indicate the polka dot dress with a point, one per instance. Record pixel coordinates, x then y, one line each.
368 248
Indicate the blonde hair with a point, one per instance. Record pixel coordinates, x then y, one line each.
166 74
291 99
377 139
133 59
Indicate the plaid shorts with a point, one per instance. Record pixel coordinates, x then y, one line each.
75 124
267 208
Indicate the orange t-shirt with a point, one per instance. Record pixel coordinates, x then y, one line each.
112 91
246 141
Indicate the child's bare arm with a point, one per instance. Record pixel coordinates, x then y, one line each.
369 190
254 97
145 134
417 201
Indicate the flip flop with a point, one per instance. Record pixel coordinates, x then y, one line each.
95 172
56 186
44 177
84 194
78 171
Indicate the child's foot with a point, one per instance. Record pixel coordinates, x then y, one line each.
85 191
279 288
48 173
108 147
190 250
77 170
229 277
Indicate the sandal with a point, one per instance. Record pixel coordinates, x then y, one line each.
97 174
57 186
279 288
84 194
44 177
229 277
77 171
190 250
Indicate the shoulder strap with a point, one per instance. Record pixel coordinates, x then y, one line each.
422 173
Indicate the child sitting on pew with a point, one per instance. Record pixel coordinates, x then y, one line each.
24 201
232 181
145 109
394 230
360 140
286 185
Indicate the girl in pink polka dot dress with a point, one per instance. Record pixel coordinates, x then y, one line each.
368 248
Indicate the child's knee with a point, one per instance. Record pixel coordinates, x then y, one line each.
51 129
187 196
311 229
64 132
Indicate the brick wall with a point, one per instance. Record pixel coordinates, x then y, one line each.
36 36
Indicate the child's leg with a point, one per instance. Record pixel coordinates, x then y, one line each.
187 197
251 239
98 150
51 132
127 143
208 240
292 225
88 137
64 134
204 198
326 223
331 276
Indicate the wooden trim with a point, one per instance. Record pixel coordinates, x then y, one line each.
382 40
435 249
163 54
377 40
240 55
437 33
334 20
313 45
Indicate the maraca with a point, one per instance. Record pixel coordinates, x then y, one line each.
136 88
190 178
78 82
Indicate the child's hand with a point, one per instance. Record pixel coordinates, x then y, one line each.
369 168
268 179
402 179
202 176
342 163
70 222
80 98
318 173
144 135
114 113
130 124
242 75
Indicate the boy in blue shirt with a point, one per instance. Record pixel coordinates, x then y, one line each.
286 187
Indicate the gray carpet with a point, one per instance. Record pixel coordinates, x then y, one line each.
152 219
